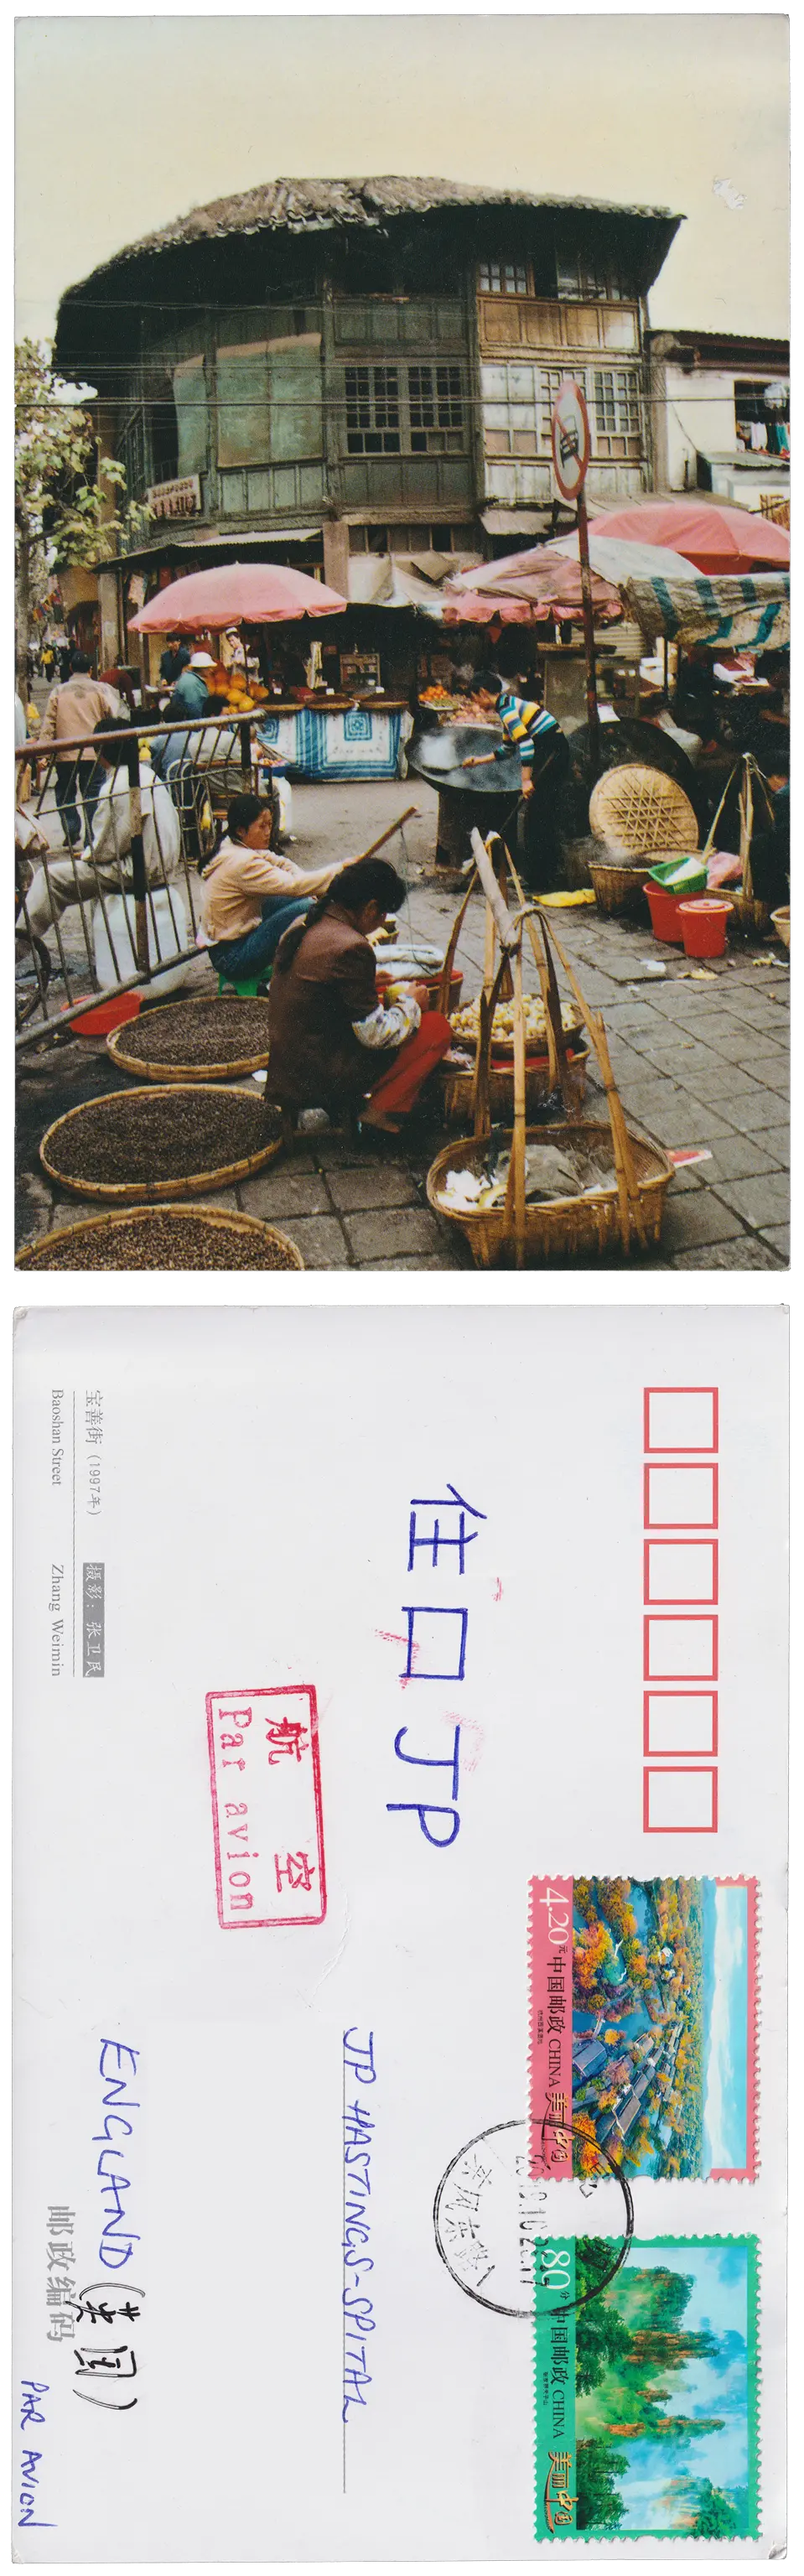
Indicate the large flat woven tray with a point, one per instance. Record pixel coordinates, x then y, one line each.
639 811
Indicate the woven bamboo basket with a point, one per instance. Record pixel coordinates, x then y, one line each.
577 1229
781 923
111 1228
620 884
640 812
750 916
151 1069
135 1193
626 1214
458 1085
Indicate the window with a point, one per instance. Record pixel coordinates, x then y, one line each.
518 404
416 540
762 416
587 276
435 399
190 396
503 277
269 401
616 425
372 411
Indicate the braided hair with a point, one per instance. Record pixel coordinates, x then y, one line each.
365 881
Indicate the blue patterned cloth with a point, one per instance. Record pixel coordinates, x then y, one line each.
355 742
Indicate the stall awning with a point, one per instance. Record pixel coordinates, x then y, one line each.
387 581
750 609
183 540
513 523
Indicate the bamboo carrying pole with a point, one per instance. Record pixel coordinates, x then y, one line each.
510 935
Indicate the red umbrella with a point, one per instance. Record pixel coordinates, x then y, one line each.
715 539
236 594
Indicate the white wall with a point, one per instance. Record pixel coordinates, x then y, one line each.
700 416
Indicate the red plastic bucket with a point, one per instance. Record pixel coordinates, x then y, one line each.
664 910
703 923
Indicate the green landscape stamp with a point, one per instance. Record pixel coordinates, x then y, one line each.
645 2388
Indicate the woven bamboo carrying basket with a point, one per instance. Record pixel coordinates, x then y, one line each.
627 1215
458 1086
110 1230
135 1193
639 812
620 884
457 1083
152 1069
577 1229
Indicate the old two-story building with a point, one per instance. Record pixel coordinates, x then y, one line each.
721 414
324 370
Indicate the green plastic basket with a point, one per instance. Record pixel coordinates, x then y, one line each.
680 875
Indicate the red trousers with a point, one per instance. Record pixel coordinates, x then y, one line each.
397 1088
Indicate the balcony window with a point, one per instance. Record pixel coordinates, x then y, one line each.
589 277
435 402
372 411
503 277
518 403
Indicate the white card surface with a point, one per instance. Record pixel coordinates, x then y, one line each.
335 1631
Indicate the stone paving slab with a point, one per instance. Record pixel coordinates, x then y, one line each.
779 1237
366 1188
746 1252
762 1200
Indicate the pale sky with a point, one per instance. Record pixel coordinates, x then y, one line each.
124 123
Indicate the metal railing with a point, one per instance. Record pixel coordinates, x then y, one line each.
198 787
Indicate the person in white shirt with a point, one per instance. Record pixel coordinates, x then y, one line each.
107 858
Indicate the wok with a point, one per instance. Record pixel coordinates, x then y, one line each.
438 757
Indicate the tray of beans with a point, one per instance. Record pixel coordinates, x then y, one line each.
163 1238
162 1142
215 1039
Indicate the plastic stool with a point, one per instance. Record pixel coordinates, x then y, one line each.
245 987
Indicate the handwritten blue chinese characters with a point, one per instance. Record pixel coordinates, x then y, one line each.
358 2309
437 1633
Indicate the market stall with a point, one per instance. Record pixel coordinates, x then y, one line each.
343 728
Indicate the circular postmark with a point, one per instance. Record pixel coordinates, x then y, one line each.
490 2213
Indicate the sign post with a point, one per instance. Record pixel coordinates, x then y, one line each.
571 443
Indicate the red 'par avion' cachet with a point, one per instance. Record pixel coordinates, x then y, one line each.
266 1807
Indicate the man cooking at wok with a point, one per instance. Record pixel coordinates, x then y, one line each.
529 729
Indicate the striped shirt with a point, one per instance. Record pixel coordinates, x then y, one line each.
524 722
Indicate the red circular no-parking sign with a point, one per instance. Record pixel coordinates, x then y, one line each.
571 439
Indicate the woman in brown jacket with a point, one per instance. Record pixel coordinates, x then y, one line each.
333 1043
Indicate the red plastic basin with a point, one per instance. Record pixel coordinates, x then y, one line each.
664 910
704 923
108 1015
